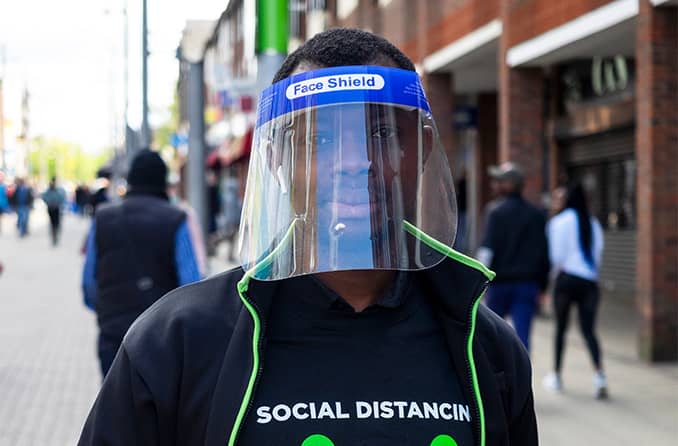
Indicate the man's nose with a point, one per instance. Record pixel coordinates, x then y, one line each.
354 159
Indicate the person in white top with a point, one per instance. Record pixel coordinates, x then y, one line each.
575 249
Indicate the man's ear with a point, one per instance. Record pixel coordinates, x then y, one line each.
428 140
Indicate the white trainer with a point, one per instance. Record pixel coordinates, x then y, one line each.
552 382
600 385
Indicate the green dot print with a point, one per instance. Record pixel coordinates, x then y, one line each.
443 440
320 440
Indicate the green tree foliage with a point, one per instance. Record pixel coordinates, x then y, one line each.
163 134
67 161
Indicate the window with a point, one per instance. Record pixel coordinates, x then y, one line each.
345 8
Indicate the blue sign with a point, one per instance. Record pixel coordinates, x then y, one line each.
178 139
465 117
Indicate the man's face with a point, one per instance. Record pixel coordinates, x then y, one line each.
558 198
353 168
506 187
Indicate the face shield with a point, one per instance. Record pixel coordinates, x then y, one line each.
346 168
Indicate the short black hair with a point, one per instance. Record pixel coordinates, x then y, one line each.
344 46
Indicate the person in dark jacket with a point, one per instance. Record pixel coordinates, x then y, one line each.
136 251
100 195
22 200
82 199
514 246
352 321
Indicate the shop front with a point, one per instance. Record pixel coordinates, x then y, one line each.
595 140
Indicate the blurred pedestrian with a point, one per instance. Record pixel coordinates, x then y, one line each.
55 198
22 199
232 209
514 246
575 247
4 200
101 184
213 210
137 250
351 325
194 229
82 199
461 242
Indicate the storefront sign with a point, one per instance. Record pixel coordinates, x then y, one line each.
599 77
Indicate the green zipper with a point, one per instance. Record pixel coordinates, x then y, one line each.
489 274
242 286
413 230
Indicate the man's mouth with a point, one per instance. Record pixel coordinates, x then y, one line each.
350 210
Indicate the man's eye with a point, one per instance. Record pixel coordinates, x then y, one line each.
384 132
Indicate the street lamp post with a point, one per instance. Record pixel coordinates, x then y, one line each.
145 129
3 159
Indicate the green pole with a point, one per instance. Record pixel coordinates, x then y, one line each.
272 27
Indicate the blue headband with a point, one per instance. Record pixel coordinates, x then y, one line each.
341 85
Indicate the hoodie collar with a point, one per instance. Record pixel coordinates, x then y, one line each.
453 285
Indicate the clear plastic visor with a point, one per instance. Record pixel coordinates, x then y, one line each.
332 188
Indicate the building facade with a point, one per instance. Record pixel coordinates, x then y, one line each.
572 90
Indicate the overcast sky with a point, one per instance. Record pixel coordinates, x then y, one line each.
70 56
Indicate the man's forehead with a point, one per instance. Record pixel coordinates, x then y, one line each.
368 112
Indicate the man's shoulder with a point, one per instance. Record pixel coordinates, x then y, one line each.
199 313
501 343
493 205
106 207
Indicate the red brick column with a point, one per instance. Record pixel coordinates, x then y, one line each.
521 97
487 146
521 122
440 95
657 198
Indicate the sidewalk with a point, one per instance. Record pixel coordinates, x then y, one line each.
643 404
49 373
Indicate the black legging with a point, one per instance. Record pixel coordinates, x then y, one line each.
571 289
54 222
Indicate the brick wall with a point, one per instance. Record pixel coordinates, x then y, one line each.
487 144
657 199
458 19
529 18
441 22
521 124
441 98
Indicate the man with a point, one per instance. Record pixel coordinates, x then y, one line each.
137 250
82 199
352 324
22 200
100 195
54 198
4 200
514 246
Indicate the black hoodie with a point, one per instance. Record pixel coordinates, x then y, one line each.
188 369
